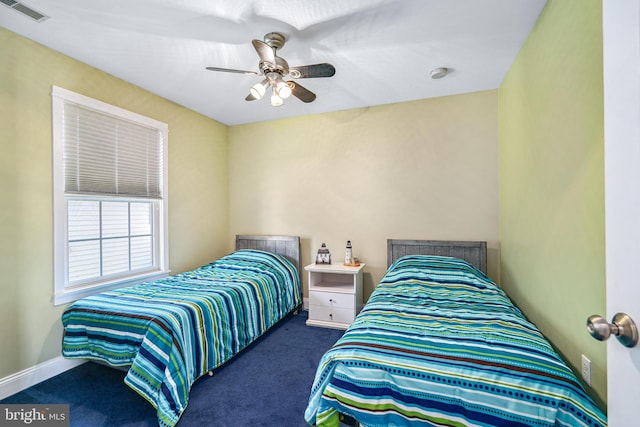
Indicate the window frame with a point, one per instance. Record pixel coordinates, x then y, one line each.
63 292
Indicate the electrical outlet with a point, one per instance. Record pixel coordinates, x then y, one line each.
586 370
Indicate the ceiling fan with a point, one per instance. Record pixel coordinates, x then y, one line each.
275 69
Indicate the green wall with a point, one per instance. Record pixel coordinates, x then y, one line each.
552 180
198 188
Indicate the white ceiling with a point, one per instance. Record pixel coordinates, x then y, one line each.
383 50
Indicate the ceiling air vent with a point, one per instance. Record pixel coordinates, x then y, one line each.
25 10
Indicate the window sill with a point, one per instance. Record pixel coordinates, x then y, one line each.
73 294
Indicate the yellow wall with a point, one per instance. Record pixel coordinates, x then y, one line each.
198 188
552 180
416 170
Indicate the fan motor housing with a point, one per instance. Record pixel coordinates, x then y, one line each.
275 40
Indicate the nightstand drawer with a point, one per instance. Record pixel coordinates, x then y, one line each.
329 314
331 299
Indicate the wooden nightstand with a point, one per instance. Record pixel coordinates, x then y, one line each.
335 294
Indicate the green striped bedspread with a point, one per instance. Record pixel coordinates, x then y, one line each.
173 330
438 343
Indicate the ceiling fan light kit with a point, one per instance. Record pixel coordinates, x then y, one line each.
275 69
279 85
258 90
276 100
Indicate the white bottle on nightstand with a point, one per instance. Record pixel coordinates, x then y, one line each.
348 257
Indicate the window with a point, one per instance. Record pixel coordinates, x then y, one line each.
109 201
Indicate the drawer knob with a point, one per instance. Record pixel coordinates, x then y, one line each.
331 316
331 300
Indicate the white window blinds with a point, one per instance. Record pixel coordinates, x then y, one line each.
110 201
105 154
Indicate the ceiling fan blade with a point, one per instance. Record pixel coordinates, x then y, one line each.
229 70
300 92
312 71
265 52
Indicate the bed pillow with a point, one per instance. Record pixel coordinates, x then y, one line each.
439 269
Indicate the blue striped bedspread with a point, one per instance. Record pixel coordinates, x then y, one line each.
174 330
438 343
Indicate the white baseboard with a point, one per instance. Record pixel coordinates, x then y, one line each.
31 376
305 304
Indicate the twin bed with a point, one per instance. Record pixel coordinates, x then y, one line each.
174 330
438 343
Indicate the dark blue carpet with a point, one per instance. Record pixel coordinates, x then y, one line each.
267 384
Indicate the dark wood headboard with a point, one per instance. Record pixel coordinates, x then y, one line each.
472 252
287 246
